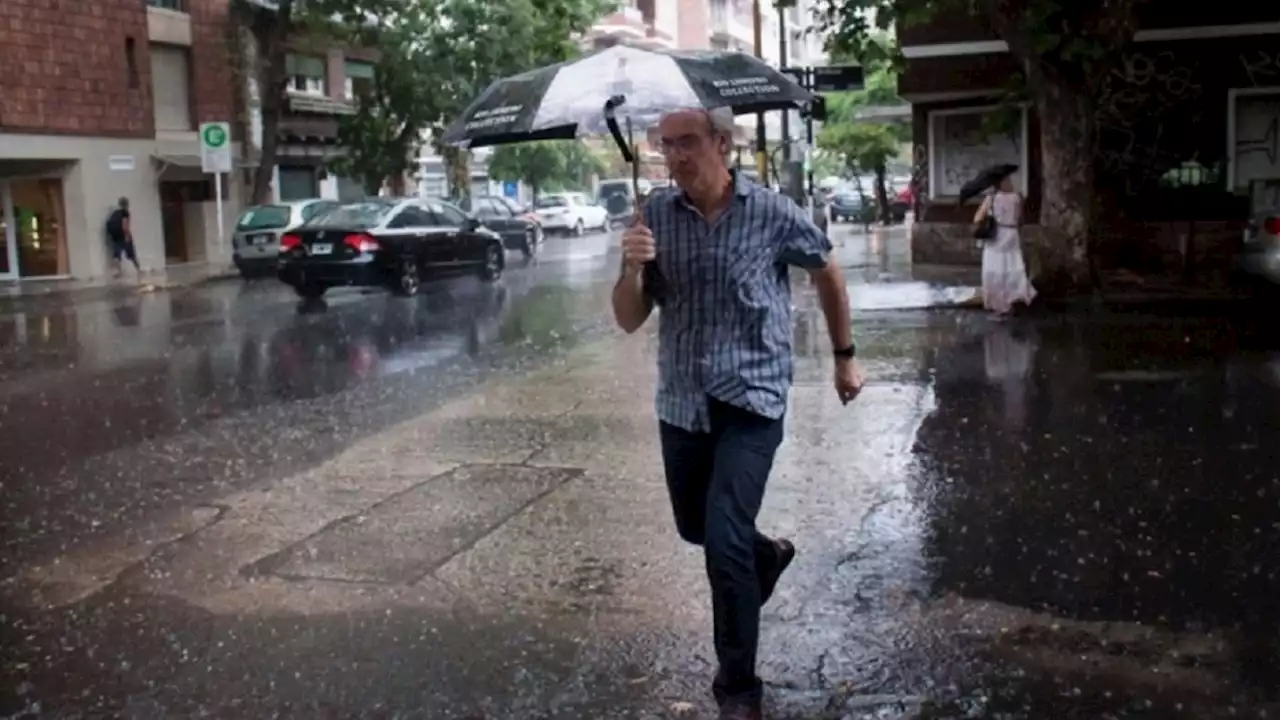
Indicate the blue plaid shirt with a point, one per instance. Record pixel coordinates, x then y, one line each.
725 312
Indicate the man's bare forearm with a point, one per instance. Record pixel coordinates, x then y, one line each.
631 306
834 299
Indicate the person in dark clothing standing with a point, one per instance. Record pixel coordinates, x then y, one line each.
120 235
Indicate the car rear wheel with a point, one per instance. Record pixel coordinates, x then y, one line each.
494 259
310 290
408 278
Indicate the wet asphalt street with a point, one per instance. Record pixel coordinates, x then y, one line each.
219 504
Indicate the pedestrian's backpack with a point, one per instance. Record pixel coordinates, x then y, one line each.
115 223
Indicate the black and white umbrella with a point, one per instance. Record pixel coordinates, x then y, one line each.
584 96
587 96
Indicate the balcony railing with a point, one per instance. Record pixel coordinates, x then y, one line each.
175 5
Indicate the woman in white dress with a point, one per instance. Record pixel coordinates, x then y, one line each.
1004 274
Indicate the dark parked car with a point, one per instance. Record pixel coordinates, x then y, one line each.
518 227
387 242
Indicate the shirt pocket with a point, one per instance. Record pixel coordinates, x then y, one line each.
749 275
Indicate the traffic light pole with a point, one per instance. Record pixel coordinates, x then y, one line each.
786 114
762 154
808 137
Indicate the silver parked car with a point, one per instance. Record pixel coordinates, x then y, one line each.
255 244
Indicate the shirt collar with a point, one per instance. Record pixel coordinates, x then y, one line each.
742 187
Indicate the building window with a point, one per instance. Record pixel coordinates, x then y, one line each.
719 13
307 75
720 44
171 87
175 5
359 78
131 62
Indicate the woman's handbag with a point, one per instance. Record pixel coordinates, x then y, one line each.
985 228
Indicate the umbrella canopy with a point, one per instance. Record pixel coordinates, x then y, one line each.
986 179
569 99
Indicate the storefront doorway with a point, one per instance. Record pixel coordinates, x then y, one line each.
8 234
33 243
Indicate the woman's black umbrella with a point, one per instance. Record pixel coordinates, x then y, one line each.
986 179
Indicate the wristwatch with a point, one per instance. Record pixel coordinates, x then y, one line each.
847 353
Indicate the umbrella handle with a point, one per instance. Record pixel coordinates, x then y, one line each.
611 121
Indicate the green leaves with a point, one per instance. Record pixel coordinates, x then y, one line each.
546 165
436 57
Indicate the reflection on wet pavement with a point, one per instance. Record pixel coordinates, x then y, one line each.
449 507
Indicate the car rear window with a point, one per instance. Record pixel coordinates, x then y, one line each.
264 217
356 215
550 202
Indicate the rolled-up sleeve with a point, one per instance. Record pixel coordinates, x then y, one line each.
802 243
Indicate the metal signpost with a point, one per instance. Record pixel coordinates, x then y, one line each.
823 79
215 157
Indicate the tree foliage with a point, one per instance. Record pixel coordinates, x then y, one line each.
546 165
484 41
858 145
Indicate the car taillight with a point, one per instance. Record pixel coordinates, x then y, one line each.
529 217
289 242
360 243
1271 225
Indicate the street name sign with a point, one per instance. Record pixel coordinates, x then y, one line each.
837 78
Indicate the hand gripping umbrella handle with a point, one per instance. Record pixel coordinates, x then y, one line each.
654 283
611 121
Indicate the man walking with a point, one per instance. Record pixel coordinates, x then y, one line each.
721 246
120 236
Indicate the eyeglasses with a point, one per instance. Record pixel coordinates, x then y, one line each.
682 144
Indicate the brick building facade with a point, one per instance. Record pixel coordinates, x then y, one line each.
105 103
1176 171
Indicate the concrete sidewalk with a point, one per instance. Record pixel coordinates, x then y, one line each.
23 294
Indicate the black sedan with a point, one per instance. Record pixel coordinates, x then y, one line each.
387 242
519 229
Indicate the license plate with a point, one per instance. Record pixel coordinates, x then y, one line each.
260 239
321 249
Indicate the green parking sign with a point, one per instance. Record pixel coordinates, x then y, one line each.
215 147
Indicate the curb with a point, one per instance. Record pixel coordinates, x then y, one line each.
35 298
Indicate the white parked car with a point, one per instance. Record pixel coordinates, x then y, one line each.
255 241
570 212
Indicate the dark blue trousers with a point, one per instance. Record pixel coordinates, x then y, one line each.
717 482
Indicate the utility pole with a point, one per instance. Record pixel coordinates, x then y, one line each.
762 154
782 62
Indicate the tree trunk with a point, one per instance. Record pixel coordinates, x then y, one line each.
458 171
1068 139
882 196
271 30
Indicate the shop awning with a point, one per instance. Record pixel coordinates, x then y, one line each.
188 160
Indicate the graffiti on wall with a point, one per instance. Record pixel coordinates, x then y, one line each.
1261 67
967 146
1136 105
919 174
